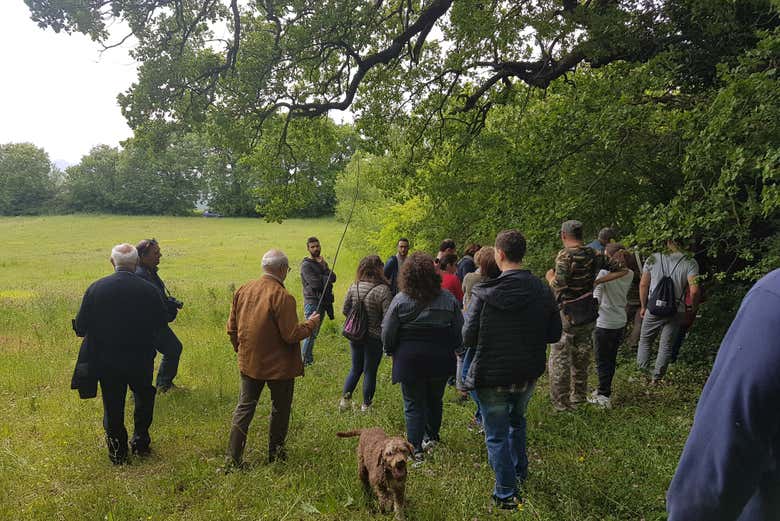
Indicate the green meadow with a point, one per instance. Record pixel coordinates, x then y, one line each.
586 465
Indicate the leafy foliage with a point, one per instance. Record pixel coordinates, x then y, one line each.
26 179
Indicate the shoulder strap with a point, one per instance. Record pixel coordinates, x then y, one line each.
675 266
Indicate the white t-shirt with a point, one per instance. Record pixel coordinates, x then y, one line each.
612 297
659 264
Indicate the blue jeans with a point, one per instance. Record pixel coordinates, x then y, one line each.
366 356
503 416
307 350
423 409
170 347
468 356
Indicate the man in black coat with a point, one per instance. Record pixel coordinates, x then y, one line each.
119 316
509 322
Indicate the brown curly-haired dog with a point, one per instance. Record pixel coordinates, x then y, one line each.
382 466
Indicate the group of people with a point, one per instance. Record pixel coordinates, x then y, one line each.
124 320
482 319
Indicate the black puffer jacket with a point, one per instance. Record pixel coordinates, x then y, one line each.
509 322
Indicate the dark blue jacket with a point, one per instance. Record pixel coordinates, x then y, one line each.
509 322
391 273
729 467
466 265
422 340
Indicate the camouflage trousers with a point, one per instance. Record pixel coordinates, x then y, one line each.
568 365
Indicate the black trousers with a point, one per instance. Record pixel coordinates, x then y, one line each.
113 386
169 345
606 343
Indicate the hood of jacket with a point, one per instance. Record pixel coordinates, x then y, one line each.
512 290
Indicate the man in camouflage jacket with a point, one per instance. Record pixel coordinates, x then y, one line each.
576 267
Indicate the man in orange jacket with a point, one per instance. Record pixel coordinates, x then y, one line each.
265 332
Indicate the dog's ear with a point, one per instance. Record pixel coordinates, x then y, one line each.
409 448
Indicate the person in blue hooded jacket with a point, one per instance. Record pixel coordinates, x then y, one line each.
729 468
510 320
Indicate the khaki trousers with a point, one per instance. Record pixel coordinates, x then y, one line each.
281 403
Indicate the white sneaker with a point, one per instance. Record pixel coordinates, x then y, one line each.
365 407
600 400
345 404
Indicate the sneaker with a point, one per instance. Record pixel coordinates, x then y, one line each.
475 426
365 407
165 388
419 458
600 400
345 403
510 503
429 445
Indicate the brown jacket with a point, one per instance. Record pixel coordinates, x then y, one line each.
264 329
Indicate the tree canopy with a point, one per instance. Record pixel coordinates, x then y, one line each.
26 179
305 58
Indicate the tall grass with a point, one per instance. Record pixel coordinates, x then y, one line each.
586 465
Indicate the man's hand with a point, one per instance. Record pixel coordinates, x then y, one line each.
550 276
642 313
315 319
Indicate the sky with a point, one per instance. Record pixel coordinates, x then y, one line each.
58 91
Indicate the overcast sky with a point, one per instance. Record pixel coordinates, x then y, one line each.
58 91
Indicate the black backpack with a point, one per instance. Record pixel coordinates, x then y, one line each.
662 301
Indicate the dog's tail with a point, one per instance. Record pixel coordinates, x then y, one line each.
349 434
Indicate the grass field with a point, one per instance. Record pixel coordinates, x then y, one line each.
586 465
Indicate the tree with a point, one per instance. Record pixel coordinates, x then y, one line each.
25 179
145 177
305 57
92 184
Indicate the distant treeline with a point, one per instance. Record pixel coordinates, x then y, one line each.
173 174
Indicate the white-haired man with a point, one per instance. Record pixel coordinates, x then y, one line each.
265 332
119 316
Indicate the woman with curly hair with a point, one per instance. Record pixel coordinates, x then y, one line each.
372 289
421 331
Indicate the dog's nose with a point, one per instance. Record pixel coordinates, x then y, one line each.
401 464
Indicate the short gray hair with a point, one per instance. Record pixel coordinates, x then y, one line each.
274 259
124 255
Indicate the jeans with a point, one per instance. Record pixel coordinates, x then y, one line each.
113 388
503 414
606 343
366 356
170 347
423 409
281 403
652 325
468 356
307 350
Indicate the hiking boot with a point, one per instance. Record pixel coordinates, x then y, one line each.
142 451
510 503
167 388
280 454
345 403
